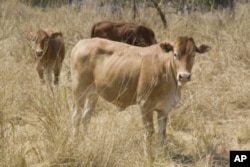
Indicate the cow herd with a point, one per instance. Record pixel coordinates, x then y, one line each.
124 64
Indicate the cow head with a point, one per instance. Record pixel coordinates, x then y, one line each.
184 50
41 41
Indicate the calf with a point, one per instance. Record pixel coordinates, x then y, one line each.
50 51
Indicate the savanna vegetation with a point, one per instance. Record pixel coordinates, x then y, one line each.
211 119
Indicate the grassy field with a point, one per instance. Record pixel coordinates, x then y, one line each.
211 119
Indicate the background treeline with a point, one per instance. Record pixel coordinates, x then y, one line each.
180 5
45 3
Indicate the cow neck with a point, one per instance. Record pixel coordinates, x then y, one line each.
46 46
45 55
173 70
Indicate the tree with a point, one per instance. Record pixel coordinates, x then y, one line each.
163 18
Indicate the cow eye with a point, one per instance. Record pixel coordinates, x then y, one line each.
175 56
193 55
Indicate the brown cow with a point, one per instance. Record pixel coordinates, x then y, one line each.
130 33
126 75
50 51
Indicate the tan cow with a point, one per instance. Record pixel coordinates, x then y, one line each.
130 33
50 51
126 75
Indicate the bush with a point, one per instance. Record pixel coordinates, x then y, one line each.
45 3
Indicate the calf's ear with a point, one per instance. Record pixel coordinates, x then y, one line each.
203 48
32 36
55 34
167 47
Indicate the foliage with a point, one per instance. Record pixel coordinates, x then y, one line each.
44 3
179 4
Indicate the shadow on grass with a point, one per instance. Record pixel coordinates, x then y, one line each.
183 159
216 160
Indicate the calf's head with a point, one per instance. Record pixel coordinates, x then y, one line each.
184 50
41 42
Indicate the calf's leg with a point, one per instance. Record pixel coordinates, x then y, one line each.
57 71
48 74
40 71
58 66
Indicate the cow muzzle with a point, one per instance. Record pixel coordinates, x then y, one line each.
183 77
39 53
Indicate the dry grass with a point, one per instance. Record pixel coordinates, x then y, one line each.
211 119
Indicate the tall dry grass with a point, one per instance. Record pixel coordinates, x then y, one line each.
211 119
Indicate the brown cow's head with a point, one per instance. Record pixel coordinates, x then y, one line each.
184 50
41 40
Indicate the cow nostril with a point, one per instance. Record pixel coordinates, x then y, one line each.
39 53
184 77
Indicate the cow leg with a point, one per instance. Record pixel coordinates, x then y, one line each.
82 102
77 114
57 71
58 67
162 116
147 119
89 107
79 98
39 69
162 122
48 74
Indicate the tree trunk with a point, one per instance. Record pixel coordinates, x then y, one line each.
163 18
134 9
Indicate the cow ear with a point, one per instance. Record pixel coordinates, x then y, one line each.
203 48
167 47
32 36
55 34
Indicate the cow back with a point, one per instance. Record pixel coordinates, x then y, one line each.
130 33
